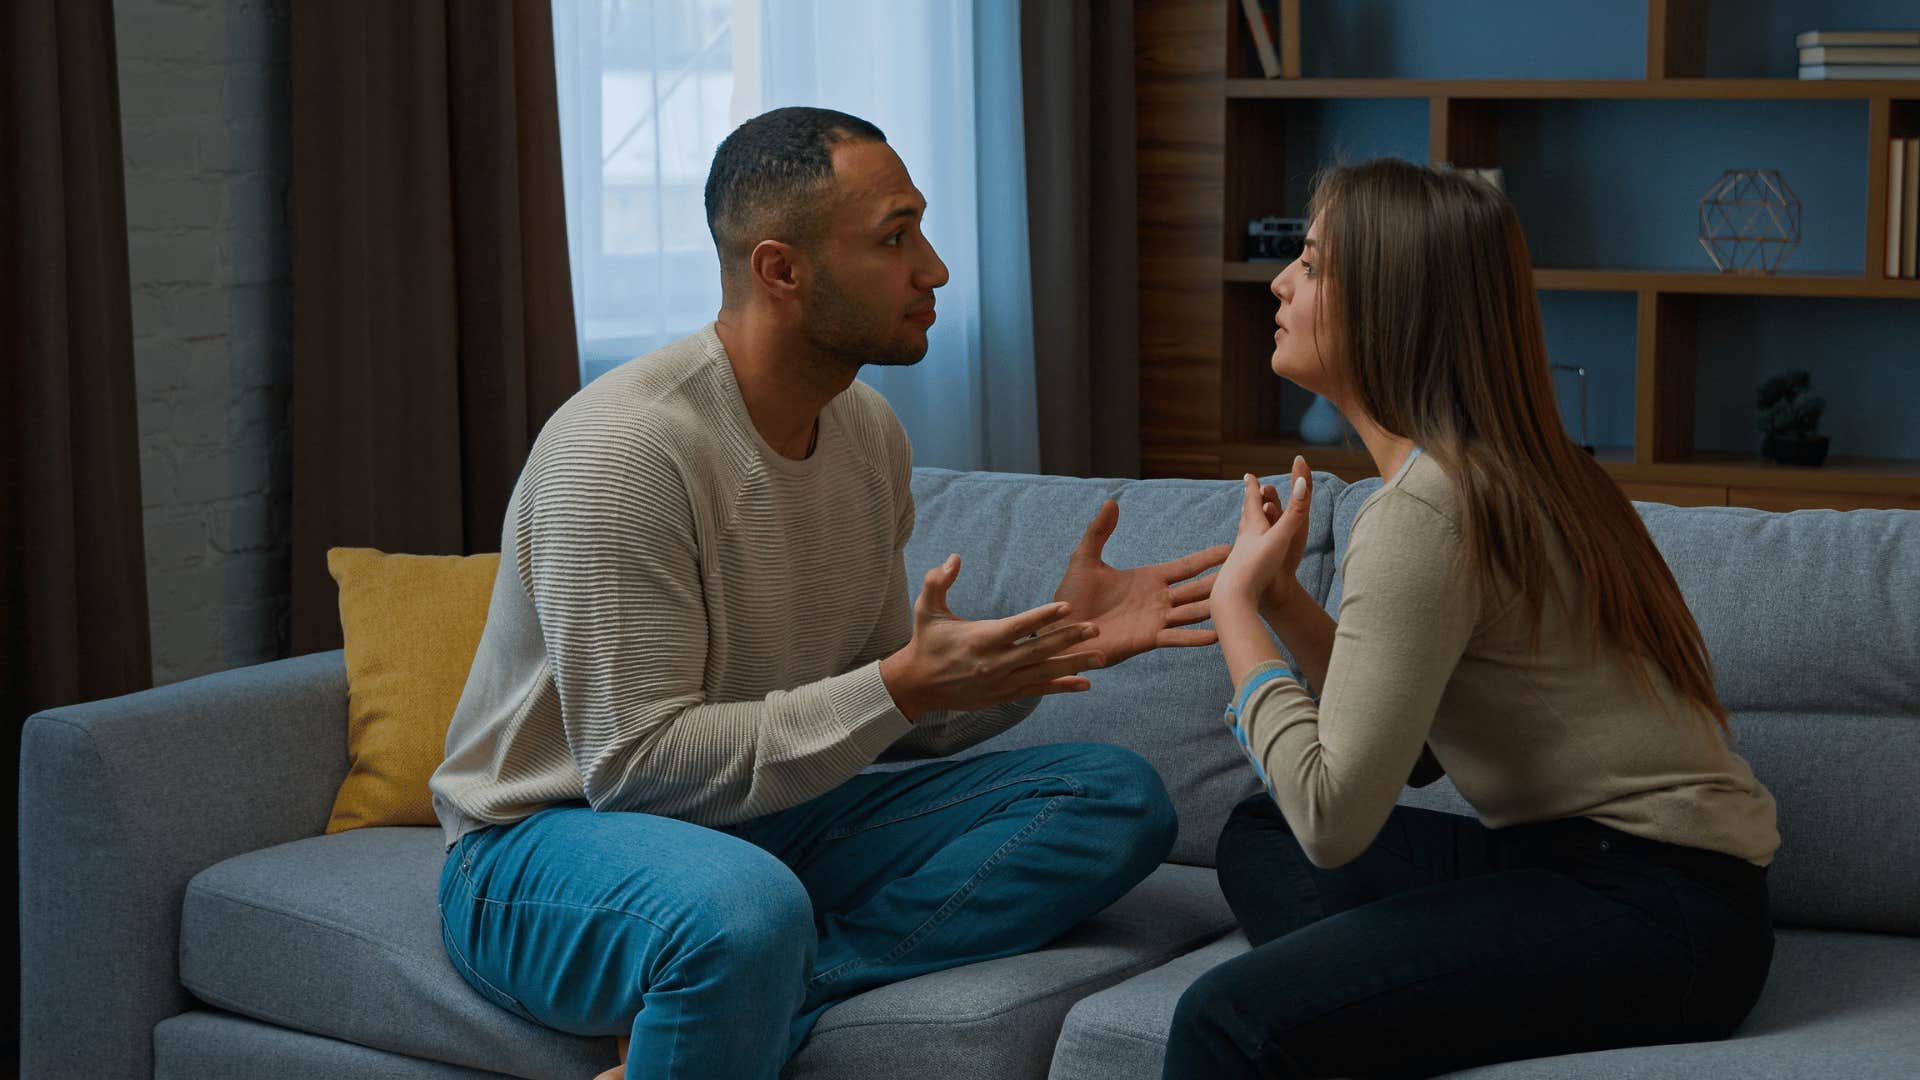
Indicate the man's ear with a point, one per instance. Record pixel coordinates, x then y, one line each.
777 268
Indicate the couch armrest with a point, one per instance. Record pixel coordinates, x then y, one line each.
121 802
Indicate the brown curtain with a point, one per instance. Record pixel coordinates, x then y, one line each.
432 305
73 592
1076 68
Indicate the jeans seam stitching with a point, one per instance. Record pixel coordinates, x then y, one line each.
922 811
953 903
471 973
474 890
465 965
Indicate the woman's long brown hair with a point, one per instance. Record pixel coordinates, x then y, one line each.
1433 296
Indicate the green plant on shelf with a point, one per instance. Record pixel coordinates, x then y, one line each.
1790 420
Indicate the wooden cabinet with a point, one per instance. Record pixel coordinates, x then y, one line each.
1210 133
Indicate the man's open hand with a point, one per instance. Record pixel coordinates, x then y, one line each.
1139 609
964 664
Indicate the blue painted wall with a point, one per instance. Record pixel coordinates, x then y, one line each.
1562 39
1321 133
1595 331
1864 356
1751 39
1481 39
1617 184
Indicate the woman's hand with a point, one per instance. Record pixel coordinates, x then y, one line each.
1285 592
1259 571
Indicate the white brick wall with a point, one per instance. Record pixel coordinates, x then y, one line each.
203 112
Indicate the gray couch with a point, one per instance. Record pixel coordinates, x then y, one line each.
183 915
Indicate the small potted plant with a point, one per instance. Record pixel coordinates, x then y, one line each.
1790 420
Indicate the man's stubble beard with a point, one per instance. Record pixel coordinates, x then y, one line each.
837 327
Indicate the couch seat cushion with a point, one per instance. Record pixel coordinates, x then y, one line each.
1001 1018
1836 1004
339 936
209 1045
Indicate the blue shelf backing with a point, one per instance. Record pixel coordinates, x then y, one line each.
1864 356
1344 131
1598 39
1618 183
1489 39
1596 331
1753 39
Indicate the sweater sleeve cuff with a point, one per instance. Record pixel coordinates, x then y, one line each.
1261 676
862 702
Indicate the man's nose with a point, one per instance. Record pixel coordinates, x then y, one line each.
933 273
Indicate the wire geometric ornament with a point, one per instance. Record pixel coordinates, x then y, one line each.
1749 221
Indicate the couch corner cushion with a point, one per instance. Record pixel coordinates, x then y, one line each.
340 936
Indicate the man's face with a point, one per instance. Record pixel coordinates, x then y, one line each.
871 300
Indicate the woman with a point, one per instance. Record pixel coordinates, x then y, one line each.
1506 617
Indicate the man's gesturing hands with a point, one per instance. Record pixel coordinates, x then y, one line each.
1136 610
956 663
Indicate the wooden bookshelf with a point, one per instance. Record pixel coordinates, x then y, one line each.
1575 89
1207 140
1702 283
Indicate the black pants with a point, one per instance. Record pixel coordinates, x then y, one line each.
1448 944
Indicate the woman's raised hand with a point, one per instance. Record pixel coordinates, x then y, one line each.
1269 543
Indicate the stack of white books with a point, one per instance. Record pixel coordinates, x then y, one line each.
1903 209
1859 54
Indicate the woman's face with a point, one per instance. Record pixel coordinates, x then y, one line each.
1298 342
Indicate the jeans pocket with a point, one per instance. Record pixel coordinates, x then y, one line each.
459 900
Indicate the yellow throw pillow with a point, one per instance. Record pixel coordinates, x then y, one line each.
412 624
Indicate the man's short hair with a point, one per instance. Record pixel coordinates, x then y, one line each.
767 177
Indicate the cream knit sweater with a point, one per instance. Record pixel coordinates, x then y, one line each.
685 622
1420 656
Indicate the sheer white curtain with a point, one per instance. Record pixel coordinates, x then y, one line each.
648 88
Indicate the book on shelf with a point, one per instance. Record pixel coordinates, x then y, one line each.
1860 71
1824 54
1910 213
1896 202
1262 32
1847 38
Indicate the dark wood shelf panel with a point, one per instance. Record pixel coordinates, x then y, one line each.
1578 89
1683 282
1704 282
1258 272
1267 457
1867 476
1888 476
1271 457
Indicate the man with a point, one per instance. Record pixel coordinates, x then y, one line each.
653 792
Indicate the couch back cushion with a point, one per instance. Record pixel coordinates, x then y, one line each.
1813 622
1014 533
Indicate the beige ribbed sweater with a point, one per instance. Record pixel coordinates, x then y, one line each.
685 622
1420 656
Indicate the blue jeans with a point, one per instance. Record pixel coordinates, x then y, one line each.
1447 945
716 949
